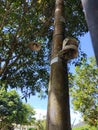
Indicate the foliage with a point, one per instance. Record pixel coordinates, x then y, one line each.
86 127
25 21
31 129
75 21
85 91
12 110
41 124
20 67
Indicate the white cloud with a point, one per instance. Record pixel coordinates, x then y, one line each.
40 114
75 117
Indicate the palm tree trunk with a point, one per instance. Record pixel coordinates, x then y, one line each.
58 113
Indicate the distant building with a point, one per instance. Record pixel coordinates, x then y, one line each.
23 127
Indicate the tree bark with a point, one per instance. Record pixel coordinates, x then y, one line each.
58 113
91 13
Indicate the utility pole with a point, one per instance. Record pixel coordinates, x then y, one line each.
58 113
91 13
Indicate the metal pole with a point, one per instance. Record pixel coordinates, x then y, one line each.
91 14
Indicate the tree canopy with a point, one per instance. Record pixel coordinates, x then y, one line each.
85 91
25 21
13 110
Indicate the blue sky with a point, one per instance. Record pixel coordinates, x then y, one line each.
40 105
86 45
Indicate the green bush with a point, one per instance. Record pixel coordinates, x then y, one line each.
86 127
31 129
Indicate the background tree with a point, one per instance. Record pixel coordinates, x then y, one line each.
85 91
25 21
12 110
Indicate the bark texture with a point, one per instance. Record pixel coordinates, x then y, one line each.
58 114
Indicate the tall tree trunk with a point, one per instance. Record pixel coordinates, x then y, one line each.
58 113
91 14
